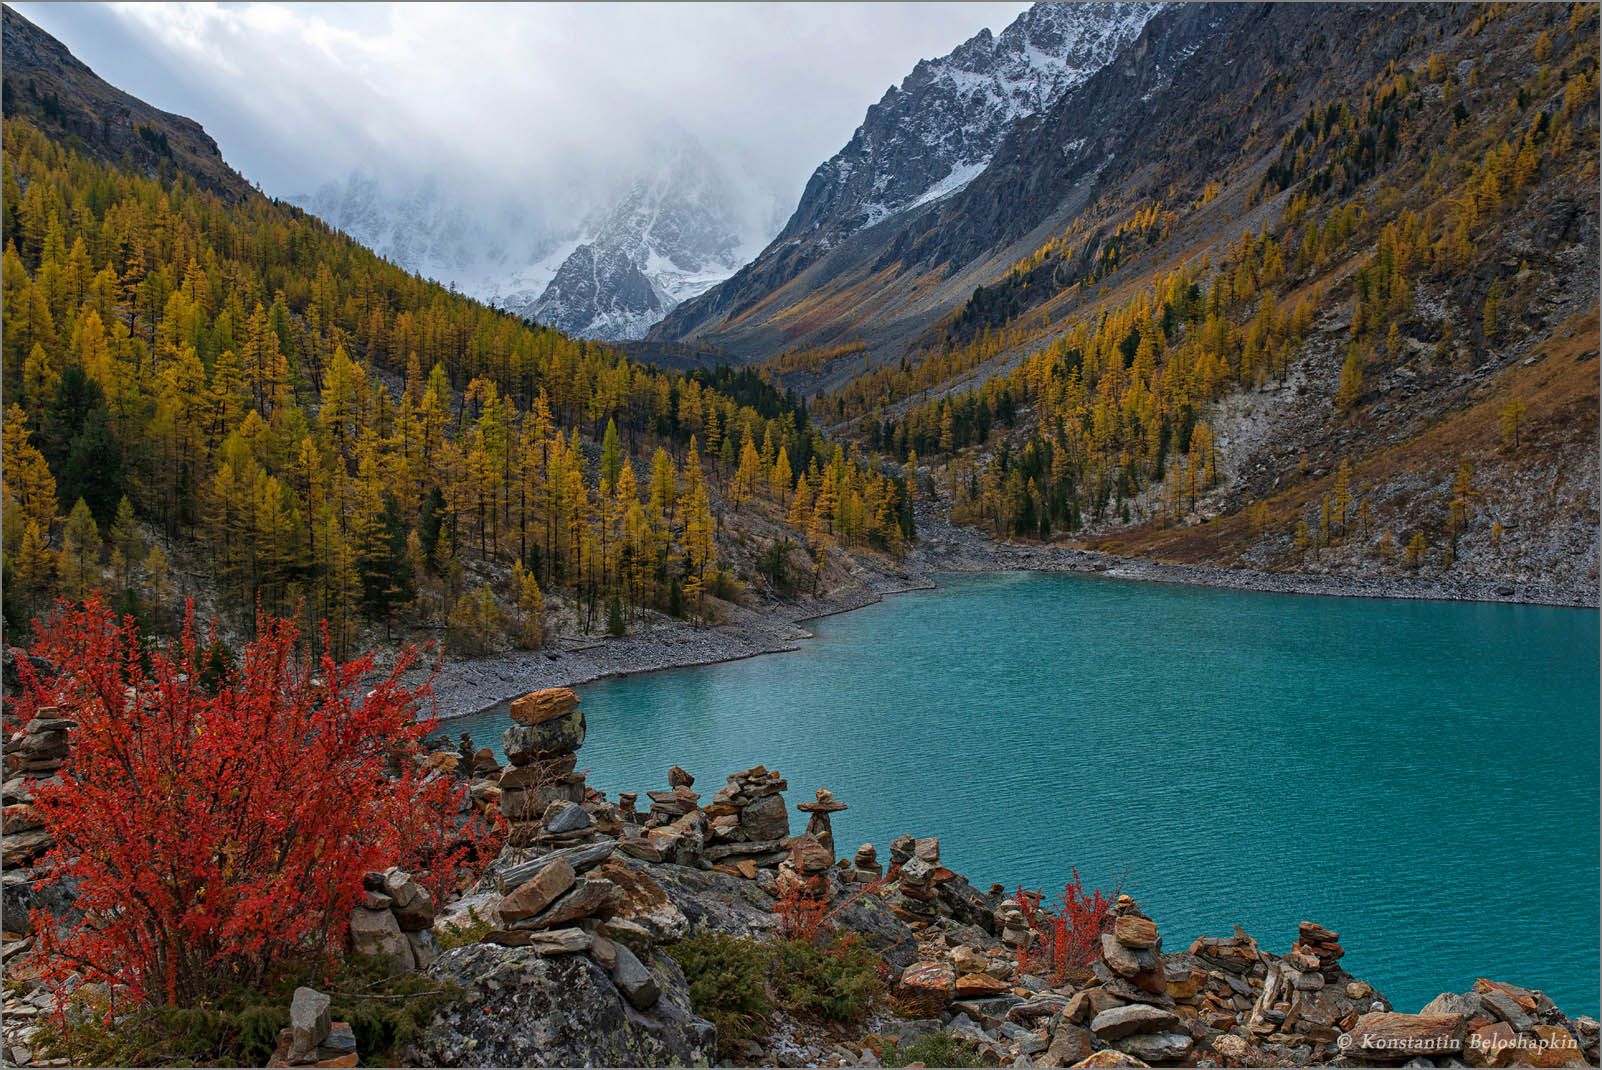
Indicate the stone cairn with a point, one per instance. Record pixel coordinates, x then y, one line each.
865 867
395 921
31 756
573 896
818 812
313 1038
541 791
748 823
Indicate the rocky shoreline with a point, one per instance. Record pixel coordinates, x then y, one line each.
945 547
465 686
576 954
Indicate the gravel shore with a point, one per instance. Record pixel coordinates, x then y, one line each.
943 547
468 685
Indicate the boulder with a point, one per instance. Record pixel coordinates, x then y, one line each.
425 949
1127 961
1505 1007
517 1008
1551 1045
926 988
1070 1044
524 744
638 984
309 1023
1105 1060
399 886
980 986
376 933
1157 1047
1468 1004
418 915
766 819
569 941
587 898
562 817
537 893
537 707
1491 1045
1118 1022
1386 1036
1132 930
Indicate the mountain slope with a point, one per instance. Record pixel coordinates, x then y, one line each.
1258 294
925 140
262 414
47 85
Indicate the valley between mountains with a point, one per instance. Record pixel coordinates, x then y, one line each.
314 508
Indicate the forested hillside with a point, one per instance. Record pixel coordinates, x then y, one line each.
1313 321
219 397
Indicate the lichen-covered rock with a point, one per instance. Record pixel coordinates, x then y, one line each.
525 744
517 1008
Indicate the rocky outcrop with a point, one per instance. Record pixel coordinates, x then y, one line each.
518 1006
48 86
574 970
924 141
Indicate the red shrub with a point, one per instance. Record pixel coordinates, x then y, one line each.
218 837
1069 935
804 913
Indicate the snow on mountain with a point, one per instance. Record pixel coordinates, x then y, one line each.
926 139
674 233
608 270
930 136
495 254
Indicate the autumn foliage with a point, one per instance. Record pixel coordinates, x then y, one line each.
219 829
1068 935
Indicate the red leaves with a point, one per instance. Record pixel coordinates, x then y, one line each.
804 908
1067 936
218 836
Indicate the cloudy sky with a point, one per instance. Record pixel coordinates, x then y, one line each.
512 97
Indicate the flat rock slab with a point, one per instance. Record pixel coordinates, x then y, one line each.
1384 1036
1117 1022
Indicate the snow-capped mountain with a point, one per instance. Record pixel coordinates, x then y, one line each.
610 269
934 133
928 138
673 233
499 254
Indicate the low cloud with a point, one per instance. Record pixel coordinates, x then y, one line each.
539 102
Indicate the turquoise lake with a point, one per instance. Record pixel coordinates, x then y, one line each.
1421 776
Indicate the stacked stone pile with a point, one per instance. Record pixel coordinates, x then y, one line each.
541 791
818 825
865 867
747 823
674 829
313 1038
31 756
395 921
805 872
583 900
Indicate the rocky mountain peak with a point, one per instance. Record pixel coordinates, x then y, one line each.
673 233
930 136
